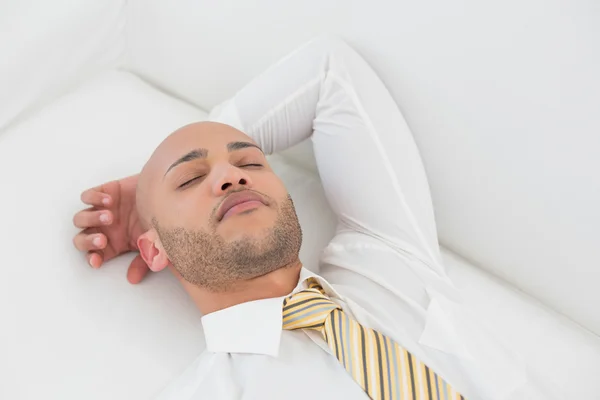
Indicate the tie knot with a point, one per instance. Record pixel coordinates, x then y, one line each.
307 309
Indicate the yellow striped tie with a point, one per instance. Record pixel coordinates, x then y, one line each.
383 368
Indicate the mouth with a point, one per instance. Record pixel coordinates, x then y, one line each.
239 202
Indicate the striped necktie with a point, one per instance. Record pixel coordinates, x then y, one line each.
383 368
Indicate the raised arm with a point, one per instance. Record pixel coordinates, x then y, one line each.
368 161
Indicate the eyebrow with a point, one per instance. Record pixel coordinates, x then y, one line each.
240 145
203 153
192 155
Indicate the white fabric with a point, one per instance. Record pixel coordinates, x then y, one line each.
561 357
261 362
48 48
502 98
85 334
384 259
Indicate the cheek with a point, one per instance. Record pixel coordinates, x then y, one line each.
272 186
189 210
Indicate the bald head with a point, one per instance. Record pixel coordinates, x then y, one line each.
212 206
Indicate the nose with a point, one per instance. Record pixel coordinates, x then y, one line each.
229 178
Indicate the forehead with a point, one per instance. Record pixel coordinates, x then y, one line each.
211 136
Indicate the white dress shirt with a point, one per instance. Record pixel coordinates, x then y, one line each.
383 265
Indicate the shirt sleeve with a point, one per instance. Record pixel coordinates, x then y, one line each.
367 158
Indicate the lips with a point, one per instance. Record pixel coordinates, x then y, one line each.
238 198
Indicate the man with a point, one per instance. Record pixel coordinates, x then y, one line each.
382 321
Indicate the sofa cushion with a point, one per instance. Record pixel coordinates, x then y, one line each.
48 48
72 332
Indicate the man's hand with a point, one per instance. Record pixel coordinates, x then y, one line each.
111 226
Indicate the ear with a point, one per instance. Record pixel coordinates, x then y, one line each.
152 251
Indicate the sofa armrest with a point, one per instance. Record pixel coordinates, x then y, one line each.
47 48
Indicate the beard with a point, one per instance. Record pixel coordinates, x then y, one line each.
206 260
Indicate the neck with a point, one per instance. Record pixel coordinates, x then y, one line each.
274 284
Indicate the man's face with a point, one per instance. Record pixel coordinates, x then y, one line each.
219 210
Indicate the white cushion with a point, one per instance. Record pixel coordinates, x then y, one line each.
47 48
71 332
561 356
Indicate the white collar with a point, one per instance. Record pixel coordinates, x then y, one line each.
254 327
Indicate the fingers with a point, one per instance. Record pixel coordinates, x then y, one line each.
93 243
135 273
86 241
92 218
137 270
95 258
95 198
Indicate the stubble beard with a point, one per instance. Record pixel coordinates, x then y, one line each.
206 260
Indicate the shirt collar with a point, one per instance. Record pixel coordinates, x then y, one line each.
253 327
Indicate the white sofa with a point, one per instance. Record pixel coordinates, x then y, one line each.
503 99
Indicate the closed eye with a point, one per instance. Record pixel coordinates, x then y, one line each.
202 176
190 181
